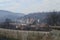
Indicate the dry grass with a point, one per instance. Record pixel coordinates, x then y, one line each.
30 35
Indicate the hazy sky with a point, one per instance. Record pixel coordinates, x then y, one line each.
28 6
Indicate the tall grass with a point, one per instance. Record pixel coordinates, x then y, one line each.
30 35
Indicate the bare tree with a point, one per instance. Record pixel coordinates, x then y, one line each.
6 23
53 17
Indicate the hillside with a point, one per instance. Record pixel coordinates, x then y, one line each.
47 17
10 15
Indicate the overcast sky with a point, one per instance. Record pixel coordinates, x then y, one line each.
28 6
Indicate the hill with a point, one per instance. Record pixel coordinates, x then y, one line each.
46 17
7 14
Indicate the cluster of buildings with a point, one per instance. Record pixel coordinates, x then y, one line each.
31 24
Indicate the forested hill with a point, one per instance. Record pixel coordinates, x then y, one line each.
7 14
48 17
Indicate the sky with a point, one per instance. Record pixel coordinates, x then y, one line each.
29 6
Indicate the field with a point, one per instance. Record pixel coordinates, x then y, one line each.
30 35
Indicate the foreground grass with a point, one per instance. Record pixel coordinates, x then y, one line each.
55 34
6 38
29 35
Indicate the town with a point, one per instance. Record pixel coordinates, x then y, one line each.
49 21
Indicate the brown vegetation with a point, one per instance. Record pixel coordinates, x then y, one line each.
30 35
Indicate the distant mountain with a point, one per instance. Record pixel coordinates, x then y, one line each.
7 14
43 16
37 15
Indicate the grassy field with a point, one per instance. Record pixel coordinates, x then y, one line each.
30 35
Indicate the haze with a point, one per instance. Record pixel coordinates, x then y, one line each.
28 6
